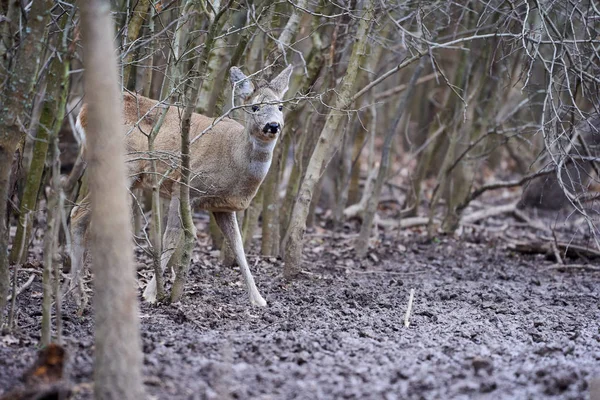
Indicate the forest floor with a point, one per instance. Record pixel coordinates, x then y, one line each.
487 322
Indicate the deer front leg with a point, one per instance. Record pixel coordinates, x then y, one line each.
172 240
228 224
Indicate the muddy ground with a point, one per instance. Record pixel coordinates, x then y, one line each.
487 322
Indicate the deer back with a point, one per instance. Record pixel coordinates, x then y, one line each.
222 177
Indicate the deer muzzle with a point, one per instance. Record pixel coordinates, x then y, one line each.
272 127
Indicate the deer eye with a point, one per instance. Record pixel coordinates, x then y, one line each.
255 108
280 107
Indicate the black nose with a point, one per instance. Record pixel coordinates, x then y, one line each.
271 126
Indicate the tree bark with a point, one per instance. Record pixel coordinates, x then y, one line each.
55 105
133 31
321 155
192 70
118 356
16 99
270 211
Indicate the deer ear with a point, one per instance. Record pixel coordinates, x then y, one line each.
241 84
280 84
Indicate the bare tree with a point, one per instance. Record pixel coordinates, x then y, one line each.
118 350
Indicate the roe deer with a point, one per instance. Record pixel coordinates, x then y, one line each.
228 163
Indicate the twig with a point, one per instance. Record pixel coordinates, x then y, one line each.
568 249
403 223
574 266
22 288
351 271
395 90
409 308
534 224
500 185
554 244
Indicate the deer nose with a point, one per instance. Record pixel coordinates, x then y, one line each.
273 127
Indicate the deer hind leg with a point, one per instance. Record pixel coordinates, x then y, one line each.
227 221
80 221
172 241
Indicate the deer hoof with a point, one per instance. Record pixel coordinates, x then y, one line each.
257 300
150 292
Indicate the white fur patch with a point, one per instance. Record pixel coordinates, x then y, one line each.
260 160
80 132
259 169
263 147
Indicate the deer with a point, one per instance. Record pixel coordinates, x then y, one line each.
229 161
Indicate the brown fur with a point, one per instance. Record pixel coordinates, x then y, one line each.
219 161
219 157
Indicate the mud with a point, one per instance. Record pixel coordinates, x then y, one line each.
486 323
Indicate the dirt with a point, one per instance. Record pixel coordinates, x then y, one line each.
486 323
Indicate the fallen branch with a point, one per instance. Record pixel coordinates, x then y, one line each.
22 288
563 267
567 249
395 273
532 223
488 212
403 223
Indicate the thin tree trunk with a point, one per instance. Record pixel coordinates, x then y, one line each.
449 152
133 32
216 235
212 73
189 231
50 244
325 147
315 65
55 105
178 72
182 264
191 96
146 85
118 355
235 59
362 242
156 223
360 142
16 100
250 222
270 206
33 179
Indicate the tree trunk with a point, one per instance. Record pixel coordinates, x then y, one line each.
321 155
52 119
133 32
16 101
33 179
315 65
50 245
118 356
243 39
362 243
270 211
189 69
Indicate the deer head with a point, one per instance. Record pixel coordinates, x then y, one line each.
264 116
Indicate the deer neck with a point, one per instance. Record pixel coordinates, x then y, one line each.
256 156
